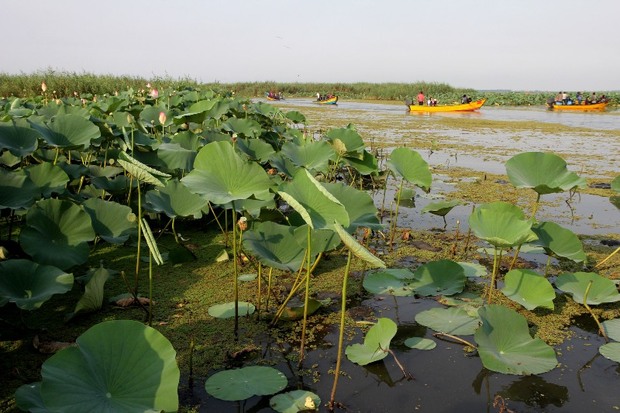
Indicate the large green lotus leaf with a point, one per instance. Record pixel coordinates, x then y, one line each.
358 249
443 277
174 156
561 241
376 343
227 310
175 200
245 127
359 205
274 245
17 191
188 140
49 178
529 289
141 171
441 208
117 366
221 175
610 351
612 328
390 281
367 165
295 401
92 299
501 224
112 221
8 159
545 173
349 137
150 116
28 398
314 155
505 344
602 290
29 285
409 165
19 138
318 207
453 320
615 184
321 240
256 149
68 131
473 270
253 207
243 383
57 233
295 116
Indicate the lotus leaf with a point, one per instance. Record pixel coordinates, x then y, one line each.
453 320
321 240
441 208
443 277
49 178
243 383
529 289
501 224
407 163
612 328
318 207
420 343
560 241
602 290
92 300
283 164
473 270
358 249
295 401
29 285
376 343
389 281
274 245
227 310
352 140
17 191
141 171
188 140
314 156
150 116
296 312
19 138
295 116
175 200
359 205
28 398
611 351
505 344
112 221
545 173
615 184
120 365
221 176
244 127
174 156
365 165
68 131
57 233
256 149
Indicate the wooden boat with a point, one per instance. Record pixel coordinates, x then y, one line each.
582 108
274 96
461 107
329 101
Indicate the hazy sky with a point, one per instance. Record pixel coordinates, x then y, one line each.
482 44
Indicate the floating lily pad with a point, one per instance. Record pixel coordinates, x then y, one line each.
453 320
610 351
443 277
473 270
376 343
243 383
505 344
529 289
602 290
392 281
612 328
227 310
420 343
295 401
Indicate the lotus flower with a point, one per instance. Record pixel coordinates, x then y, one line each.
43 87
154 93
162 117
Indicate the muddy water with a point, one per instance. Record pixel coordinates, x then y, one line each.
446 379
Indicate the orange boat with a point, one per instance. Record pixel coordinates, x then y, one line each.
461 107
592 107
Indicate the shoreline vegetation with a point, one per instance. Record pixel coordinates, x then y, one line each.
61 84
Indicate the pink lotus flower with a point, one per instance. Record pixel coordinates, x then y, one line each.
154 93
162 117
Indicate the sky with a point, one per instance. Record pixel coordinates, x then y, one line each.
548 45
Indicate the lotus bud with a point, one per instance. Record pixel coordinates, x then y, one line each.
75 93
43 87
234 138
242 223
162 117
129 118
154 93
148 85
272 171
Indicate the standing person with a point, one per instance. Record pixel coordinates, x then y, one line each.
421 98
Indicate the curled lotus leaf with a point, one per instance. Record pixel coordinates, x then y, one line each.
501 224
545 173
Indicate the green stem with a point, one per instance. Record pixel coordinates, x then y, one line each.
139 238
343 309
150 289
235 269
585 303
307 297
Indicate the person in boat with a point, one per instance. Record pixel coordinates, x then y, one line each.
565 98
592 99
421 98
558 98
464 99
433 102
579 98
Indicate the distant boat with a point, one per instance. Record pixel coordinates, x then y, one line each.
332 100
274 96
461 107
577 107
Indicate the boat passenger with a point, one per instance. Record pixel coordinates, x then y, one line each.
420 98
558 98
434 102
565 98
579 98
464 99
592 98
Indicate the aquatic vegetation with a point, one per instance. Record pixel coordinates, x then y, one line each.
243 383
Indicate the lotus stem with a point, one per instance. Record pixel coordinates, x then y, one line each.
268 289
496 260
150 289
406 374
547 266
455 338
174 232
139 238
456 239
235 270
260 267
394 222
307 296
343 309
585 303
296 284
608 257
